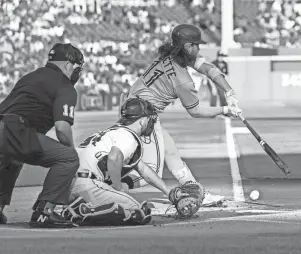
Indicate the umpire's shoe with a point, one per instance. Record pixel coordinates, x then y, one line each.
3 218
46 218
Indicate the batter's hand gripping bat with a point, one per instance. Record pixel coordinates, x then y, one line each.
273 155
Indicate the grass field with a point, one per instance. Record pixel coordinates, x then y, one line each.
210 147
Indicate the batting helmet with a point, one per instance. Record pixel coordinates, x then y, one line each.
186 33
136 108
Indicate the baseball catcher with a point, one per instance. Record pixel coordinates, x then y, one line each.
99 194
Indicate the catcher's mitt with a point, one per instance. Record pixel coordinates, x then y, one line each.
187 198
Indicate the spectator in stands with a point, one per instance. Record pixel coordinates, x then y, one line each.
272 37
209 6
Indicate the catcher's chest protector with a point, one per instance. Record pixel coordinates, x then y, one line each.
102 164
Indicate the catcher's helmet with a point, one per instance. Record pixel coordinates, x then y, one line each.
136 108
186 33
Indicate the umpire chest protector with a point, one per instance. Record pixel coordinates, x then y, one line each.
137 154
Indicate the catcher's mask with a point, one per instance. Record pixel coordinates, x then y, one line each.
135 108
67 52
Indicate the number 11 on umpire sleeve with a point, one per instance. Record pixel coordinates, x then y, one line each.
68 111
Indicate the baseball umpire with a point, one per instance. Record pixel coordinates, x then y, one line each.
40 100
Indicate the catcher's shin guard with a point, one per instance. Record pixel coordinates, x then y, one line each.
109 214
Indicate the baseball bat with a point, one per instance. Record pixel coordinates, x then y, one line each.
273 155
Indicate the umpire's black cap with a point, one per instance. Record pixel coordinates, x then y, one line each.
66 52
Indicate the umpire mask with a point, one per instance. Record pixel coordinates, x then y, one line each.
67 52
76 74
150 125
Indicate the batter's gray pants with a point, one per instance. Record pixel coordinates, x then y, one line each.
62 160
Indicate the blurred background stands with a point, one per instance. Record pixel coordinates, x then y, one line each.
119 37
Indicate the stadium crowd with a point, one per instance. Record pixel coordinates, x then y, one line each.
119 39
281 22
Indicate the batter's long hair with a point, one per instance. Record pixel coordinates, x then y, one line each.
176 53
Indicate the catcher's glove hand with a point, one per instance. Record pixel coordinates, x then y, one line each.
187 198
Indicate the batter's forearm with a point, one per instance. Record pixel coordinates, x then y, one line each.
202 112
207 68
222 83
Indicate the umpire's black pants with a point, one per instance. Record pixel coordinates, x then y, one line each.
62 160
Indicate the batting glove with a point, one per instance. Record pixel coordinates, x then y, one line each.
231 98
231 111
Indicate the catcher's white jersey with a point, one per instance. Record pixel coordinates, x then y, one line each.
99 145
92 155
163 82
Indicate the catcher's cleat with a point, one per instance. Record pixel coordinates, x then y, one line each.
140 216
213 200
3 219
145 208
41 219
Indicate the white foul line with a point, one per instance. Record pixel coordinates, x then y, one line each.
238 192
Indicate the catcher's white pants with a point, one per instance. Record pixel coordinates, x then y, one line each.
100 193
